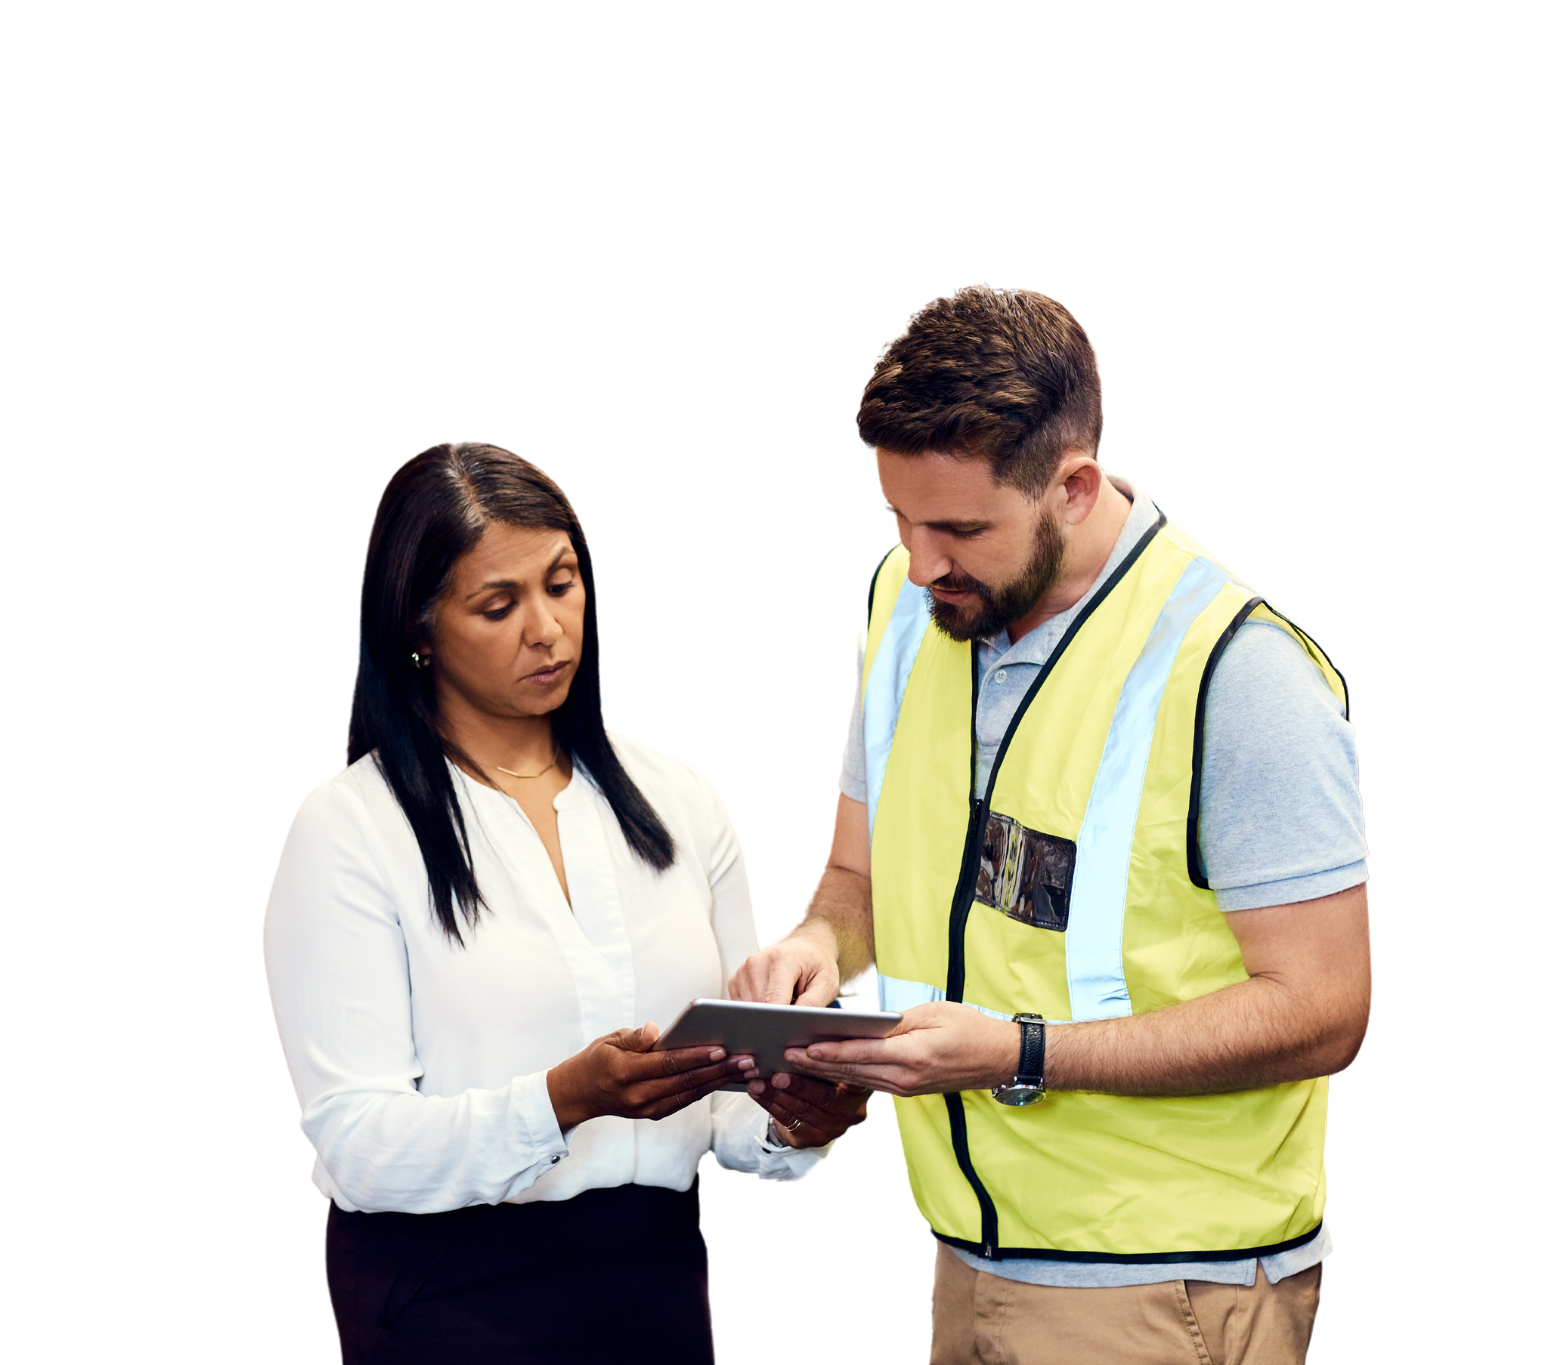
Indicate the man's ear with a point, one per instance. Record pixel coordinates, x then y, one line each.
1079 479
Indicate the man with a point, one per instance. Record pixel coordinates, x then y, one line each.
1100 830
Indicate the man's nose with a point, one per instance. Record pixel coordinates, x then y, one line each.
926 560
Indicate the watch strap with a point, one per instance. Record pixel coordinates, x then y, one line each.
1029 1067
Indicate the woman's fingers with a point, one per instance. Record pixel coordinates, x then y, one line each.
814 1111
846 1102
684 1063
805 1128
619 1074
653 1100
666 1075
720 1073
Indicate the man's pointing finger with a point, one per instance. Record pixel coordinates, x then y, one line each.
781 986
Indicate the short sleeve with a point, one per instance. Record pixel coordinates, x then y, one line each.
1280 805
851 781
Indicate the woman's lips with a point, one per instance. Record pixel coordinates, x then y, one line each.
545 677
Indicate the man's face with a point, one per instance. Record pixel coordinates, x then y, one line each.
986 551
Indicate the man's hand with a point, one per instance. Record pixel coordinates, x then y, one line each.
809 1113
835 941
799 970
937 1048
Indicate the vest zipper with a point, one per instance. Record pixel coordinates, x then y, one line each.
978 803
956 974
967 877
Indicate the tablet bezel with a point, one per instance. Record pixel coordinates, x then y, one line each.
763 1031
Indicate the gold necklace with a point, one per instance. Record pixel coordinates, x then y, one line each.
527 776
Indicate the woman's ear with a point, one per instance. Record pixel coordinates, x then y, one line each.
419 630
421 638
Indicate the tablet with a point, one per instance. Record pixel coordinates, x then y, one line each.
764 1031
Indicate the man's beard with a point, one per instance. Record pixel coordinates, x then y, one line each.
998 607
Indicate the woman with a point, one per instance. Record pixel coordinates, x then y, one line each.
465 928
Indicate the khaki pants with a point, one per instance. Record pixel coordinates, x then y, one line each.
981 1319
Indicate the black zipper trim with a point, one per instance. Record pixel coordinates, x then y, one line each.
962 902
989 1220
1346 691
967 877
1197 758
870 599
973 727
1145 1258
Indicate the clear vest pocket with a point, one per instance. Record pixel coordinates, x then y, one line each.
1025 874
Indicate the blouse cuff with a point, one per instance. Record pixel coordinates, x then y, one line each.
741 1142
542 1134
780 1161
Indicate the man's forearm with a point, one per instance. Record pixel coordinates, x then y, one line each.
1251 1034
1301 1013
839 920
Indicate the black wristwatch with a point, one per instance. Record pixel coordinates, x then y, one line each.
1027 1088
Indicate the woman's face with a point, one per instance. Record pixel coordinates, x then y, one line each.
508 634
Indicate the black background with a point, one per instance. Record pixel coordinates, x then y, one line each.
706 438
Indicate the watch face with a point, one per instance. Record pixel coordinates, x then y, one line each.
1019 1094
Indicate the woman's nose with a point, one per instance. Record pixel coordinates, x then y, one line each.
542 629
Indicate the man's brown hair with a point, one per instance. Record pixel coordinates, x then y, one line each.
1003 374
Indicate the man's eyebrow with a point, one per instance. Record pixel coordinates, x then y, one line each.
491 583
946 525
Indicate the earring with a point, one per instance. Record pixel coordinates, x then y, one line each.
420 660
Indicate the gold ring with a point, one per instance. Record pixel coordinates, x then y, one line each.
794 1125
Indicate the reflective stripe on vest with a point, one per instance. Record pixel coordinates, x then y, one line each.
883 697
898 996
1094 959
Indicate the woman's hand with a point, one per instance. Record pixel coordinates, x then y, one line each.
618 1074
806 1112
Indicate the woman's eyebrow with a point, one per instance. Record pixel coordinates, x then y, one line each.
511 583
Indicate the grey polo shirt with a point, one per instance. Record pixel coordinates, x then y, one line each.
1280 822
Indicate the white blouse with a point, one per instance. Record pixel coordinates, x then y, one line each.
421 1065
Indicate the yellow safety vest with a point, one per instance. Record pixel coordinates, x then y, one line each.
1075 892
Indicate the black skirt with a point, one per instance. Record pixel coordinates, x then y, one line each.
617 1275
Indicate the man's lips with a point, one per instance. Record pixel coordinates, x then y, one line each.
950 594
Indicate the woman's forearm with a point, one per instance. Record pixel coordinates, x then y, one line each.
567 1101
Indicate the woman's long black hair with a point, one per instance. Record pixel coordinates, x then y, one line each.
433 511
